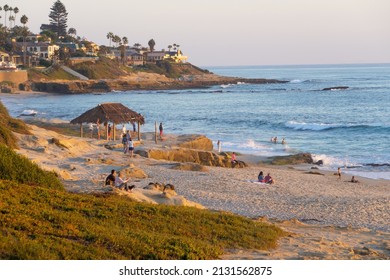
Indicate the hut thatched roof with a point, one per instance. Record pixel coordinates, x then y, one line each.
109 112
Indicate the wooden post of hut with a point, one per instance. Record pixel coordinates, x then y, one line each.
139 132
107 131
113 131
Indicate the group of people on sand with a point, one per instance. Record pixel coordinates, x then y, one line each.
118 181
128 145
265 179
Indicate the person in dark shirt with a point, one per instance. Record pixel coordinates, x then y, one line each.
110 180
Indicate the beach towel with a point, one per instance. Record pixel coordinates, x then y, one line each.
256 182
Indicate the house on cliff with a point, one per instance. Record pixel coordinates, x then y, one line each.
176 56
42 50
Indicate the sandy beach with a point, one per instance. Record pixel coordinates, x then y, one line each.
327 217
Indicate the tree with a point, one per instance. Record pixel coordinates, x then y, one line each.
110 36
169 48
6 8
151 44
58 18
72 31
137 45
24 20
16 10
117 40
123 49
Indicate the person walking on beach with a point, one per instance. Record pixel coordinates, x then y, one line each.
339 173
131 147
123 129
219 143
161 130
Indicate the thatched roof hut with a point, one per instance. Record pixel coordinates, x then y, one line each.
115 113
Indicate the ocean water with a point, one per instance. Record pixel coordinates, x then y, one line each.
345 128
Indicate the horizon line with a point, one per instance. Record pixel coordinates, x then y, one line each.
305 64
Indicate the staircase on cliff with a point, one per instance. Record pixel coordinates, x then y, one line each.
74 73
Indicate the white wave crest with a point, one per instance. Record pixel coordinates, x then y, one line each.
310 126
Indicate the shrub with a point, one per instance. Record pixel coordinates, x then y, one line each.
20 169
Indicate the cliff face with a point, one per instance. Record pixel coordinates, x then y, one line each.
185 76
131 84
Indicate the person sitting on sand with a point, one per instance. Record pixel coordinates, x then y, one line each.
233 160
122 183
268 179
110 180
353 180
260 177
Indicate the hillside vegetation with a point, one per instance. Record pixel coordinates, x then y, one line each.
105 68
7 125
40 220
50 74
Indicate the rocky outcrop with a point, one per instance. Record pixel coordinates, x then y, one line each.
336 88
134 172
293 159
198 142
206 158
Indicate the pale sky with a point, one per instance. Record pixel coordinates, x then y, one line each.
235 32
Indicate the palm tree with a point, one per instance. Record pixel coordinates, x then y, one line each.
72 31
117 40
16 10
151 44
24 20
137 45
6 8
124 47
169 48
11 19
110 36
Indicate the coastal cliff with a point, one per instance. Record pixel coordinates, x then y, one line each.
101 79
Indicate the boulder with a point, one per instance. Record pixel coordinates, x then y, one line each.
197 142
293 159
185 155
134 172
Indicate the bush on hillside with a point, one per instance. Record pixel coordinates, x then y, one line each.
20 169
7 125
39 224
